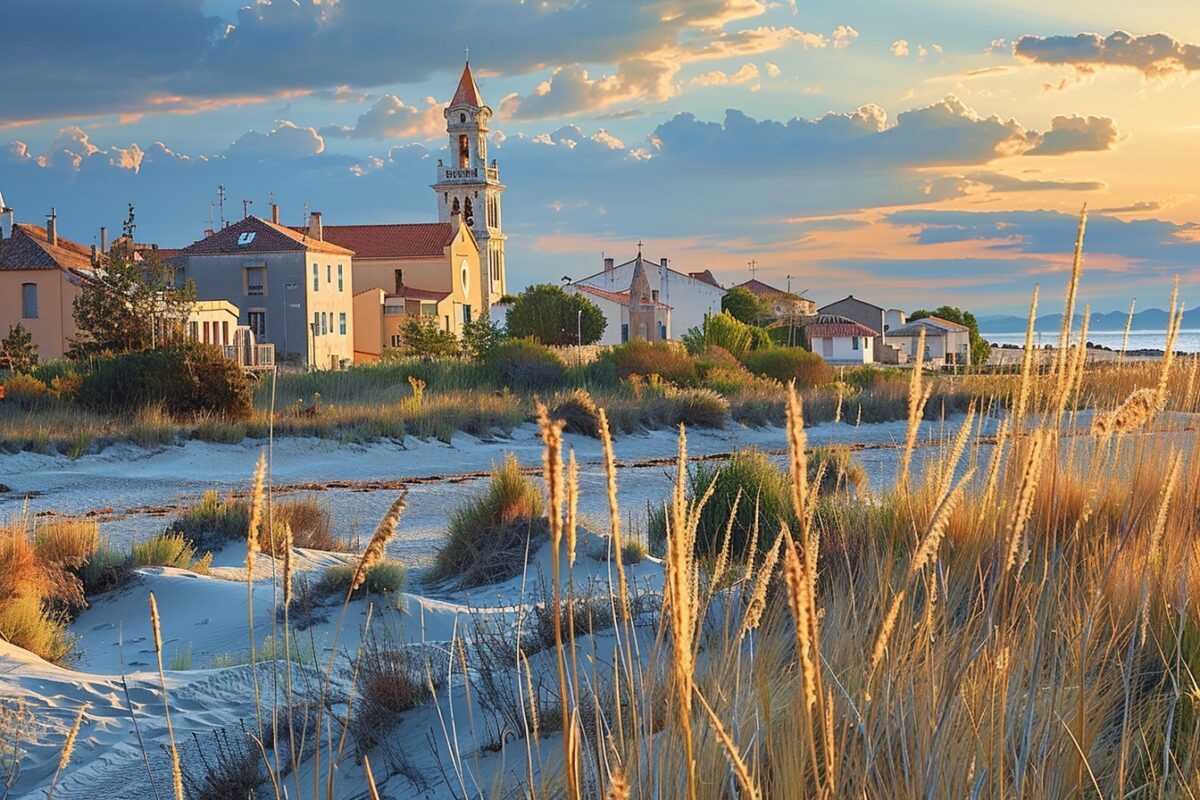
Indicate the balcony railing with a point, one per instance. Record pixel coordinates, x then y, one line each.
467 173
251 357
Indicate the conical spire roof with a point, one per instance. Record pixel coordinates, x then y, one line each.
467 93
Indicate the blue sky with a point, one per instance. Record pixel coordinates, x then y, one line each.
915 154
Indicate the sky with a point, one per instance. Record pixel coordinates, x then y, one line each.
917 154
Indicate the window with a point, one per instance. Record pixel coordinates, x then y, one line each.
399 276
206 339
853 342
466 314
246 238
340 285
328 274
325 323
462 117
624 331
464 151
194 330
396 340
29 308
316 278
428 309
258 322
316 325
256 281
342 323
225 332
391 311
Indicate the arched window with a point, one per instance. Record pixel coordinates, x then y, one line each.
455 208
464 151
462 117
468 213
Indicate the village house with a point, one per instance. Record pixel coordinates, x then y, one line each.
688 297
430 268
785 306
841 340
946 343
295 291
41 274
634 313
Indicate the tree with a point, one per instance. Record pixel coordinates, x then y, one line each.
17 350
130 305
480 337
422 338
553 317
744 306
981 350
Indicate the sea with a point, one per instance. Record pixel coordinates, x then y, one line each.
1188 341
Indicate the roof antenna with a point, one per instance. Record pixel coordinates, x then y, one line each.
246 208
221 204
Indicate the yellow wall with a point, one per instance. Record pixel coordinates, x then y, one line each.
55 323
441 274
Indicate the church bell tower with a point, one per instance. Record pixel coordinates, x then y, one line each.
470 187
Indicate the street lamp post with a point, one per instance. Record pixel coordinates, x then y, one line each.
579 328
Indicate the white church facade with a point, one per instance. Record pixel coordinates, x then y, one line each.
690 297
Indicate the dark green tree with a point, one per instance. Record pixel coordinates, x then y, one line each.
744 306
480 337
553 317
980 349
129 305
423 338
17 351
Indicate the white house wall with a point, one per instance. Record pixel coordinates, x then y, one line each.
690 300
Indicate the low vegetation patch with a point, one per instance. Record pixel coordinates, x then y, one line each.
489 536
578 411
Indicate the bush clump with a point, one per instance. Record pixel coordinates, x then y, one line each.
386 577
489 535
640 357
525 365
838 470
25 390
169 550
578 411
188 381
213 523
749 474
700 408
790 363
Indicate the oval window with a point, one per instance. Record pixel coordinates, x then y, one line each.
462 117
466 277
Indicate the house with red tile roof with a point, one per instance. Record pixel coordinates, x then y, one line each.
403 260
636 312
41 274
841 340
784 305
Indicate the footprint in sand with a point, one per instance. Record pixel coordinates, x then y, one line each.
104 626
204 621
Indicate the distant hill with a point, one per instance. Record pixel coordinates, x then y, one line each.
1151 319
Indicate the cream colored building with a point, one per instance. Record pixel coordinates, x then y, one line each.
212 322
379 317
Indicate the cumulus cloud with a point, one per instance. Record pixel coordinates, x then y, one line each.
745 74
285 140
392 118
1076 134
1155 55
843 35
900 47
773 70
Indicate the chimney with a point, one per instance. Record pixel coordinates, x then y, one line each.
608 265
208 232
663 263
103 239
95 258
314 226
6 222
52 227
275 213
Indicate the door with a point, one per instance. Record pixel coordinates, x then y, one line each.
827 347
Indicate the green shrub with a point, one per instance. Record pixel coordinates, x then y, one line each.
169 550
701 408
386 577
213 523
867 378
25 390
488 536
107 568
525 365
577 409
640 357
188 381
759 482
634 551
25 623
788 336
790 363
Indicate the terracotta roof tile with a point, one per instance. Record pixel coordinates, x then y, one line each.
413 293
413 240
29 248
834 326
268 238
468 92
706 277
